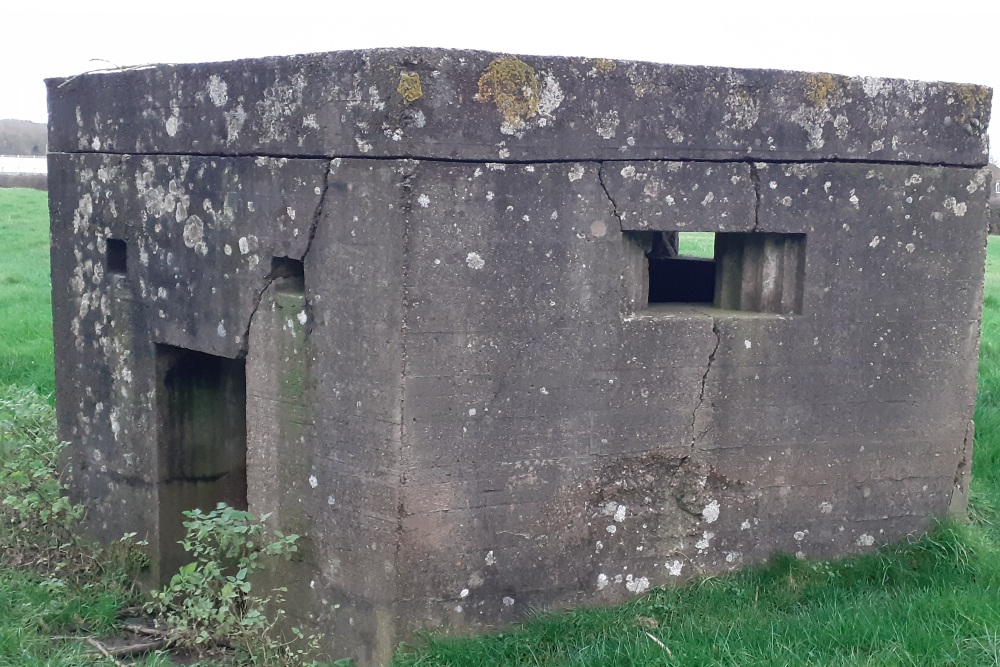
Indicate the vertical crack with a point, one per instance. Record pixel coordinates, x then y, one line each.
755 179
696 435
958 504
607 193
319 211
270 277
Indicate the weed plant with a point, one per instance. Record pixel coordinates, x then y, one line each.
210 603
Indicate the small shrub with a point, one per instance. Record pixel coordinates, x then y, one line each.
210 603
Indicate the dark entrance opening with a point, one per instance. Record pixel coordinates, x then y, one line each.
201 439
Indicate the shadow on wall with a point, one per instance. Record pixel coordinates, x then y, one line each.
34 181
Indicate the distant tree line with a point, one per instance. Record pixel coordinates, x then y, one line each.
22 137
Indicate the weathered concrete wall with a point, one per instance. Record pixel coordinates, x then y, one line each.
431 268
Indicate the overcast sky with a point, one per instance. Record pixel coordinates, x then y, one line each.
872 38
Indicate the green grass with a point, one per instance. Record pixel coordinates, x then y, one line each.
935 601
25 295
696 244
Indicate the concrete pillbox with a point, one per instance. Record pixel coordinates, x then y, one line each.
431 310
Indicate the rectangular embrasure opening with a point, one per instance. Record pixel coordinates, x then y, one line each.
201 441
747 271
288 275
116 261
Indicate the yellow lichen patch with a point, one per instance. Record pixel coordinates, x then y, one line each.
821 89
605 66
972 97
513 86
409 87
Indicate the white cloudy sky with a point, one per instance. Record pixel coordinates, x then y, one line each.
947 41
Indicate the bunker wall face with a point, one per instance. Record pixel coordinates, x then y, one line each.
457 386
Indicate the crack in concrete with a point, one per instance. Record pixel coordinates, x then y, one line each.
480 161
614 205
270 278
695 435
959 486
755 179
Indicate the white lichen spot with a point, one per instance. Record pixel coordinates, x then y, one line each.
956 207
826 507
313 482
799 535
910 247
228 249
302 317
674 134
363 145
620 513
472 412
874 242
710 197
464 593
854 199
221 330
508 601
607 123
745 525
544 391
549 97
490 558
576 172
194 231
424 201
218 91
475 261
915 179
602 581
628 171
96 144
747 344
705 540
235 118
489 195
172 124
612 529
674 568
865 540
244 245
330 500
732 556
290 211
637 584
711 512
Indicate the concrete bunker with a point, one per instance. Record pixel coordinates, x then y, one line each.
411 303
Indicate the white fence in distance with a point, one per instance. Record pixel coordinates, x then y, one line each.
23 164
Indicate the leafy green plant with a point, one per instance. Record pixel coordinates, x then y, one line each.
211 603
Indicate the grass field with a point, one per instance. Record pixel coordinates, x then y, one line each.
25 297
934 601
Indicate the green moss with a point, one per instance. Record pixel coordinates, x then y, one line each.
512 85
409 87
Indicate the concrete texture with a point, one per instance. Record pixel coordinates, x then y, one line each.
430 280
